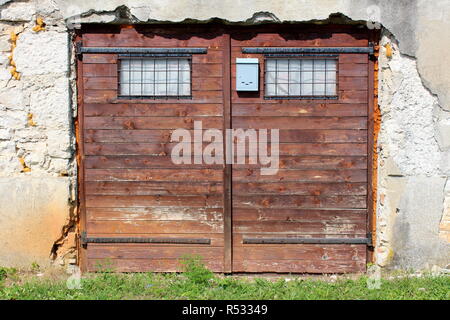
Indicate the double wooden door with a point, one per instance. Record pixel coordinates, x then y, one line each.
142 212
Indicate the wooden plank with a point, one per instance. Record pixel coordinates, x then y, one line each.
128 136
89 58
147 265
210 201
172 175
352 70
296 188
111 96
154 109
164 135
100 70
300 39
101 83
156 213
354 83
132 123
299 201
348 96
213 70
302 252
300 123
212 56
146 251
139 188
286 175
326 149
311 215
161 149
145 162
153 38
280 108
309 228
314 162
150 227
362 58
300 266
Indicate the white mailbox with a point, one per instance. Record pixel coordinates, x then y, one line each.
247 74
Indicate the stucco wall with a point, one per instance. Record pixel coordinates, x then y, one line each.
36 111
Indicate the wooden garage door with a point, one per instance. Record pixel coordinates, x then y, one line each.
320 191
142 212
132 190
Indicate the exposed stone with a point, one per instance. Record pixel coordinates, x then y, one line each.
35 53
18 12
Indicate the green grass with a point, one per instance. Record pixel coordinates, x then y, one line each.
199 283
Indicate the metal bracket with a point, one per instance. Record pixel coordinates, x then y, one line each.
365 241
124 50
317 50
84 240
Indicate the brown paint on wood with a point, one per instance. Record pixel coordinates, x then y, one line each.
150 227
311 215
298 188
140 188
154 109
133 189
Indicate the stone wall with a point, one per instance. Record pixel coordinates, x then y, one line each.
38 105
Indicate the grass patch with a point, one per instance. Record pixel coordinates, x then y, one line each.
197 282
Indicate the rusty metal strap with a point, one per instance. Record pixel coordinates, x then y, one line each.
273 50
366 241
122 50
85 240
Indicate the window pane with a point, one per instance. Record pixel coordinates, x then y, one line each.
299 77
155 77
306 89
319 89
331 89
331 76
331 64
148 89
282 64
172 89
185 89
294 90
282 77
270 77
319 77
125 89
319 65
282 89
270 89
294 77
307 77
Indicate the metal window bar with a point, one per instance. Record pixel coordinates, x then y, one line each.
314 80
160 87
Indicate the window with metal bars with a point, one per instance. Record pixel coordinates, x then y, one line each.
300 78
155 77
